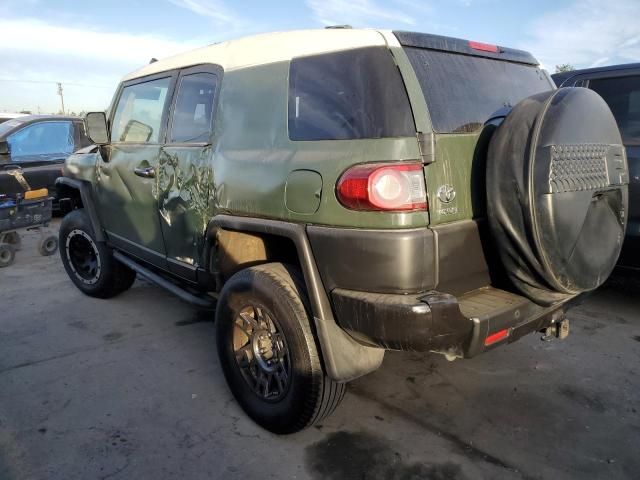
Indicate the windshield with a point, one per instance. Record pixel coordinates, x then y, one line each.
463 91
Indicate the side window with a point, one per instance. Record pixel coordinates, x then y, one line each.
41 139
623 96
138 116
347 95
194 108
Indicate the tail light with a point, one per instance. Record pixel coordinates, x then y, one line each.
485 47
384 187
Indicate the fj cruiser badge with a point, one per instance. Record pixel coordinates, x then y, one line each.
446 193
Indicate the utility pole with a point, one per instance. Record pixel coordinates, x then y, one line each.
61 96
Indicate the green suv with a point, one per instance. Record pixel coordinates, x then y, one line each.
338 193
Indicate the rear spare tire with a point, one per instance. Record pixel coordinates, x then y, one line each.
557 193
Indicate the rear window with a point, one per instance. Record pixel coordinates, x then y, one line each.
348 95
622 94
463 91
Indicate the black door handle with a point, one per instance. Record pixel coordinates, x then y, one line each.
145 172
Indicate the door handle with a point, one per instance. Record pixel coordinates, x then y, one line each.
145 172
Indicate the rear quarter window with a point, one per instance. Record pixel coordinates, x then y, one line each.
348 95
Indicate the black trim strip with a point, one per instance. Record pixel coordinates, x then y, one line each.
87 201
164 283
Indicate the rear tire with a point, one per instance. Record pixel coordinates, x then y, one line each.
268 352
89 263
7 254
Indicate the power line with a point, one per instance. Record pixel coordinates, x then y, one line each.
13 80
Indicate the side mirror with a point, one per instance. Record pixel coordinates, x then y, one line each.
4 148
95 123
135 131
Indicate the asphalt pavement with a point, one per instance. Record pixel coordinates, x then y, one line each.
130 388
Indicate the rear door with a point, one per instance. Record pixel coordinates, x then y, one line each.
464 89
185 176
126 176
36 154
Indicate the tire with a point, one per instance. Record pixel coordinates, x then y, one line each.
89 263
7 254
14 239
48 246
270 301
557 196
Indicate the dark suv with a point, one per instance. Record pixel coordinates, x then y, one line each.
619 85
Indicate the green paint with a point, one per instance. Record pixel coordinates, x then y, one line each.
303 192
452 168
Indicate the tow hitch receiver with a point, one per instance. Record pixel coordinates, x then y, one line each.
557 329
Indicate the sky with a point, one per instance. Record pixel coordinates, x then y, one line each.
89 45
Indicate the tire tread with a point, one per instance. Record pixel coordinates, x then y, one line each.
323 395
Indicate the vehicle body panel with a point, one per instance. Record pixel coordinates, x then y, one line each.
452 169
128 203
185 183
254 156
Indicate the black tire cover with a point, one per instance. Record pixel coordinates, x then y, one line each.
557 193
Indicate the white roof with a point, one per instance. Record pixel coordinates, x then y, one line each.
269 48
12 115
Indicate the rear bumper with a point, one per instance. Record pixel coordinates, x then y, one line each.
434 321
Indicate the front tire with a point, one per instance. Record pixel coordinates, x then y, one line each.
268 352
89 263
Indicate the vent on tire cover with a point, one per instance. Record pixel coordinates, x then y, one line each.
577 168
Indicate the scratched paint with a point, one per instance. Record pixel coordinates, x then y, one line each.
185 194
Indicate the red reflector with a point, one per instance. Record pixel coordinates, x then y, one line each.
496 337
485 47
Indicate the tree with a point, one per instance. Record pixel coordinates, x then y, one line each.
564 67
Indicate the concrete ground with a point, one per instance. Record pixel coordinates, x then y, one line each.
130 388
